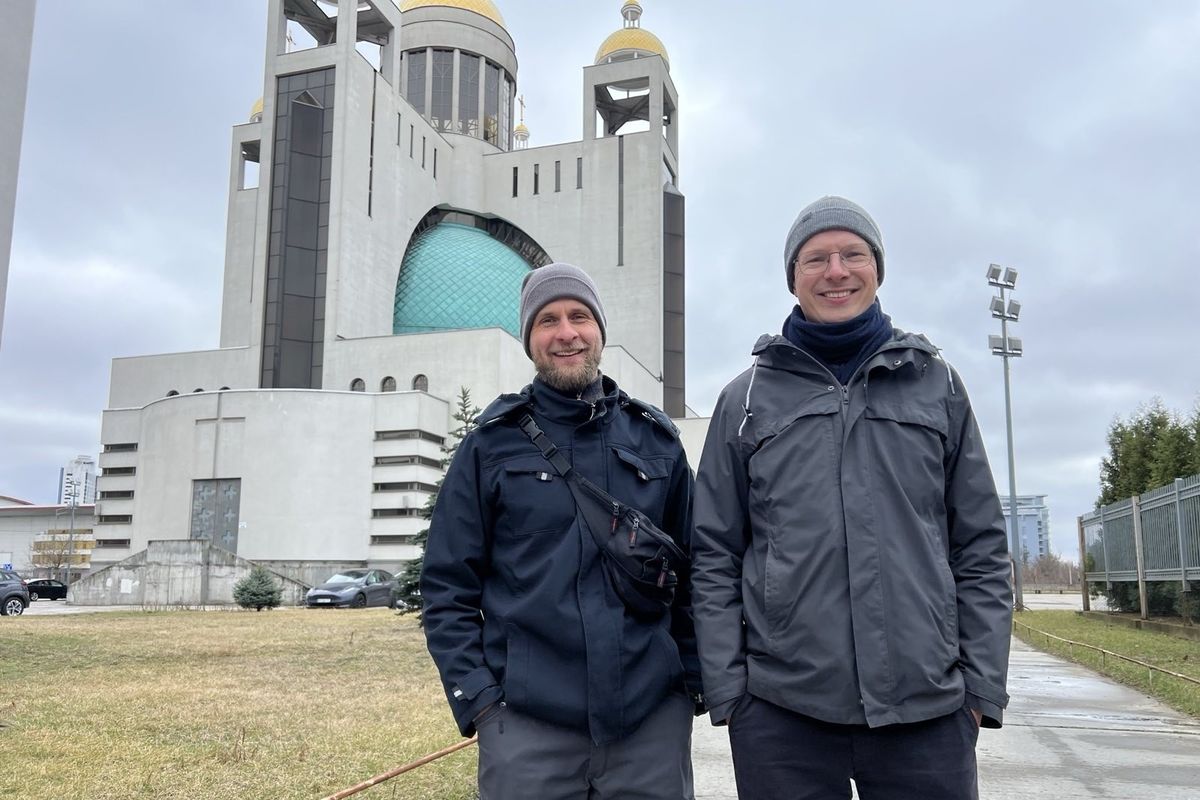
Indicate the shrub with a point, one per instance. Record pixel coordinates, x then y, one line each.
258 590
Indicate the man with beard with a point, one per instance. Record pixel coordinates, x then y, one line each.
851 576
572 694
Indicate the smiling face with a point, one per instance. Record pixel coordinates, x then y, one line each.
565 344
835 293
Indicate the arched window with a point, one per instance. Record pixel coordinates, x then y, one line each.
388 384
197 391
172 393
420 383
224 388
358 385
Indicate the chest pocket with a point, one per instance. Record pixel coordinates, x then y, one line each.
641 481
907 445
533 498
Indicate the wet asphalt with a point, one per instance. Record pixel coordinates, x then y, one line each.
1068 734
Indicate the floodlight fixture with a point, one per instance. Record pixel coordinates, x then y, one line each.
1014 310
1001 277
997 306
997 345
1014 347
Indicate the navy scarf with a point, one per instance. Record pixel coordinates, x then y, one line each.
840 346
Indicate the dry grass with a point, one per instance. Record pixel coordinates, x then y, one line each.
291 703
1160 649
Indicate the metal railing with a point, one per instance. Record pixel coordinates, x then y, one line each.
392 773
1154 536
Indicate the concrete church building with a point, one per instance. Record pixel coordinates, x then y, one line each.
382 214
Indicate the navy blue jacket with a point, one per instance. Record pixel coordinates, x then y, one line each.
517 607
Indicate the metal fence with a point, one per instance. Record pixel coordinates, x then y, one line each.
1154 536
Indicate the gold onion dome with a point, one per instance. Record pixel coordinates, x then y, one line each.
256 110
631 41
521 128
484 8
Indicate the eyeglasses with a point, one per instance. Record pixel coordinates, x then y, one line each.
853 257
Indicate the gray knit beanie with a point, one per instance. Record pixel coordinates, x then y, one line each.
558 282
830 213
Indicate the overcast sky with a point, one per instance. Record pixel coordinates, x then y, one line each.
1062 139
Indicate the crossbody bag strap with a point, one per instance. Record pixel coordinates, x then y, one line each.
563 467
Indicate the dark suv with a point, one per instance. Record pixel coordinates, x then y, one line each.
14 594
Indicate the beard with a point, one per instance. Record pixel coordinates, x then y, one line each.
570 380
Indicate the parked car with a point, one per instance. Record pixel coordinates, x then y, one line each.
14 595
46 589
356 588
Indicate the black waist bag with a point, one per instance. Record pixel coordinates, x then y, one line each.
639 560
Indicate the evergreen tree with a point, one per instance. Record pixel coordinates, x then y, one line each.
258 590
1152 448
406 596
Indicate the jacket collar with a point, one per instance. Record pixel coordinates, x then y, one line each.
903 348
555 405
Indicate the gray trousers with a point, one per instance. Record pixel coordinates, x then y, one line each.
522 758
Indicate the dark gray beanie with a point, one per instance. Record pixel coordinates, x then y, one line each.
830 213
558 282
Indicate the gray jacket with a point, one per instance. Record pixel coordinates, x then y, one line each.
849 557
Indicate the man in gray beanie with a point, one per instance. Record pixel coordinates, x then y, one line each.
575 694
850 569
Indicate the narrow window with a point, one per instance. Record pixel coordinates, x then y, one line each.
416 80
371 147
423 142
535 178
435 163
579 173
388 384
557 176
399 129
249 163
411 137
514 181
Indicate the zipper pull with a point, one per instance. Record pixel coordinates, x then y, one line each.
845 396
616 514
662 575
633 531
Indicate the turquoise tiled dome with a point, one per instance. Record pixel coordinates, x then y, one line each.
457 276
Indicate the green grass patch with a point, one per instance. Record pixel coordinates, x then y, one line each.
291 703
1160 649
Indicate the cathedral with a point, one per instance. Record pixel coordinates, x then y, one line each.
385 202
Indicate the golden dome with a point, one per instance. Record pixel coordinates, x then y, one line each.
484 8
638 39
256 110
520 128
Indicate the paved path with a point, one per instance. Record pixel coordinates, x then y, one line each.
1068 734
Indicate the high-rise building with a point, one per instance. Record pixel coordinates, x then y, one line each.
77 482
1033 523
381 219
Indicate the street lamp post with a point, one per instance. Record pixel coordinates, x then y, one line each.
73 500
1008 310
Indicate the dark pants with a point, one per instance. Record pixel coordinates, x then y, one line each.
521 758
778 753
